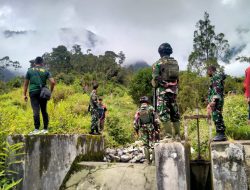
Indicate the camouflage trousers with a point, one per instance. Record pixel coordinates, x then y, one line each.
167 107
147 135
94 120
217 117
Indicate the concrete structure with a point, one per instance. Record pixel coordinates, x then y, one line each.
230 165
172 166
48 158
112 176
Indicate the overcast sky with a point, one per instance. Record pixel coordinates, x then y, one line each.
136 27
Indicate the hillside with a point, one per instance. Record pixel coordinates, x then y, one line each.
68 113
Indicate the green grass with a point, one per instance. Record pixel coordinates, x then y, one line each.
235 118
68 114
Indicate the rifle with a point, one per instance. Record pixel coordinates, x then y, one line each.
156 125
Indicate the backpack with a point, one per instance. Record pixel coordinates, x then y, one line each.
145 115
169 69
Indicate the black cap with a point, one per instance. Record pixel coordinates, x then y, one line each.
39 60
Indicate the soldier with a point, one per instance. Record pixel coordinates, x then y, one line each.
165 81
144 123
93 108
215 101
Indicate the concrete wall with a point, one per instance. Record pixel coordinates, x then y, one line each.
230 165
112 176
48 158
172 166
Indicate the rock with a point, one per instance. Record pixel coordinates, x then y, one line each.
105 159
138 143
114 158
142 160
141 149
125 151
133 160
139 157
119 152
125 158
130 149
136 152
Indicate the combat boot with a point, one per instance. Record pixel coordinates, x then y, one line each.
147 155
153 156
176 131
220 136
166 126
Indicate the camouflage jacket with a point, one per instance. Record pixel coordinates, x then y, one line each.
93 100
137 122
216 88
156 81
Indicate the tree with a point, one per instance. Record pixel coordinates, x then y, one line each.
141 85
208 47
76 49
121 57
59 60
243 59
6 62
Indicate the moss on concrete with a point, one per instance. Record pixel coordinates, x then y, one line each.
90 141
45 150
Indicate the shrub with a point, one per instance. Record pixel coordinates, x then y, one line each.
8 159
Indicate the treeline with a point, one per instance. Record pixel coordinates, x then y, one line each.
66 64
193 88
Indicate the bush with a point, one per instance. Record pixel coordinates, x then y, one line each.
235 116
141 85
117 132
8 159
68 114
62 92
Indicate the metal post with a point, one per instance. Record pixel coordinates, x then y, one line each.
198 131
185 130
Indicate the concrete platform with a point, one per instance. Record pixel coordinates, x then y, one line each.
112 176
172 166
48 158
230 165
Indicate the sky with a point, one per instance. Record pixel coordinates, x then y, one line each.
30 28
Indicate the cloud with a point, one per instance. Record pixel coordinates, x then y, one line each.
135 27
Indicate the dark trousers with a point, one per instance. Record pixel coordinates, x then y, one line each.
37 103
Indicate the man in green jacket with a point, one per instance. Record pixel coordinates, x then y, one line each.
36 77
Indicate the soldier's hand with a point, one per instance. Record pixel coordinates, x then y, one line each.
25 98
209 110
248 100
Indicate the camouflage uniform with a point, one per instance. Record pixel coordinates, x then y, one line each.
215 94
94 111
147 131
167 107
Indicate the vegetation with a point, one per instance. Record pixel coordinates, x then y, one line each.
68 113
6 63
121 87
208 47
8 160
235 118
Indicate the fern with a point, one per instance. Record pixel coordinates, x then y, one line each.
8 156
